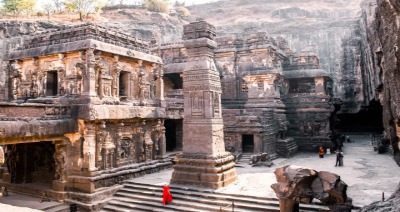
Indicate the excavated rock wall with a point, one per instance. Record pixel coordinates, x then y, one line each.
381 53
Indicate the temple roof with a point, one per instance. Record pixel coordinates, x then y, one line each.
83 37
306 73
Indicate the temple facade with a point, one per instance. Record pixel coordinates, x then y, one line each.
81 112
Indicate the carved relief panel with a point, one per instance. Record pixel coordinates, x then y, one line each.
74 71
197 103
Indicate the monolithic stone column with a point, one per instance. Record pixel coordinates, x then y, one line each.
204 161
160 83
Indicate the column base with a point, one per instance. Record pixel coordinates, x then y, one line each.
58 185
204 170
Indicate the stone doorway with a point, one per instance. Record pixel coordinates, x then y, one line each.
248 143
123 84
173 134
51 83
34 163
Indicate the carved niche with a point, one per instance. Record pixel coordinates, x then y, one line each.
16 79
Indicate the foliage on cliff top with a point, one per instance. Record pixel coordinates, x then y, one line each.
18 6
160 6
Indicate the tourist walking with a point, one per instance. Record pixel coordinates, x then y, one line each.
337 157
341 158
167 196
321 152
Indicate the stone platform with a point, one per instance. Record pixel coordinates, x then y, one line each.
204 171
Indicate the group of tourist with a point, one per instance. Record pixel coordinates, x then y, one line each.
339 155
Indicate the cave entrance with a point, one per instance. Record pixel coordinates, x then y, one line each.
31 162
248 143
369 119
173 134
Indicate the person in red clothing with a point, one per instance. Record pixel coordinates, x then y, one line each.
167 196
321 152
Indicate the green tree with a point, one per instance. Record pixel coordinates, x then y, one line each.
160 6
18 6
84 7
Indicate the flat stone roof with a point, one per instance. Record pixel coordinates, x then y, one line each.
82 37
305 73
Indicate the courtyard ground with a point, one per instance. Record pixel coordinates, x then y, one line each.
366 172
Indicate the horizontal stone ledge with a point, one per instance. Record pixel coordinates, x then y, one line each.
204 169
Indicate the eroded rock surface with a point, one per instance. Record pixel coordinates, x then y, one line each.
301 185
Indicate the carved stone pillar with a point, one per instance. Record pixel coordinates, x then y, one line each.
89 88
60 159
160 83
204 161
319 85
89 148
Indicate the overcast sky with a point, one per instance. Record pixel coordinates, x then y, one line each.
39 3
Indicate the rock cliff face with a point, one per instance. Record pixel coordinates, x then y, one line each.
381 53
330 28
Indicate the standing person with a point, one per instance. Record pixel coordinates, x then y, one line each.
167 196
337 157
321 152
341 158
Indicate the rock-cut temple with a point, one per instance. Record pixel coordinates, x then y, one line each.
84 108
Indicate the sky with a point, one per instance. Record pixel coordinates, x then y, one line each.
187 2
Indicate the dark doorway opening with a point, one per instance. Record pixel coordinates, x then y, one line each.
176 79
173 134
248 143
51 83
123 83
369 119
34 162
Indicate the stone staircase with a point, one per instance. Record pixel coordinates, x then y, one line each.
286 147
245 158
144 197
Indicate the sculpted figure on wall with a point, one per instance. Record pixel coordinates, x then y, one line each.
60 163
141 141
158 137
40 82
16 79
144 84
115 75
61 74
148 146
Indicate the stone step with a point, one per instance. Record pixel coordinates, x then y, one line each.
137 205
154 204
241 201
145 197
211 200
